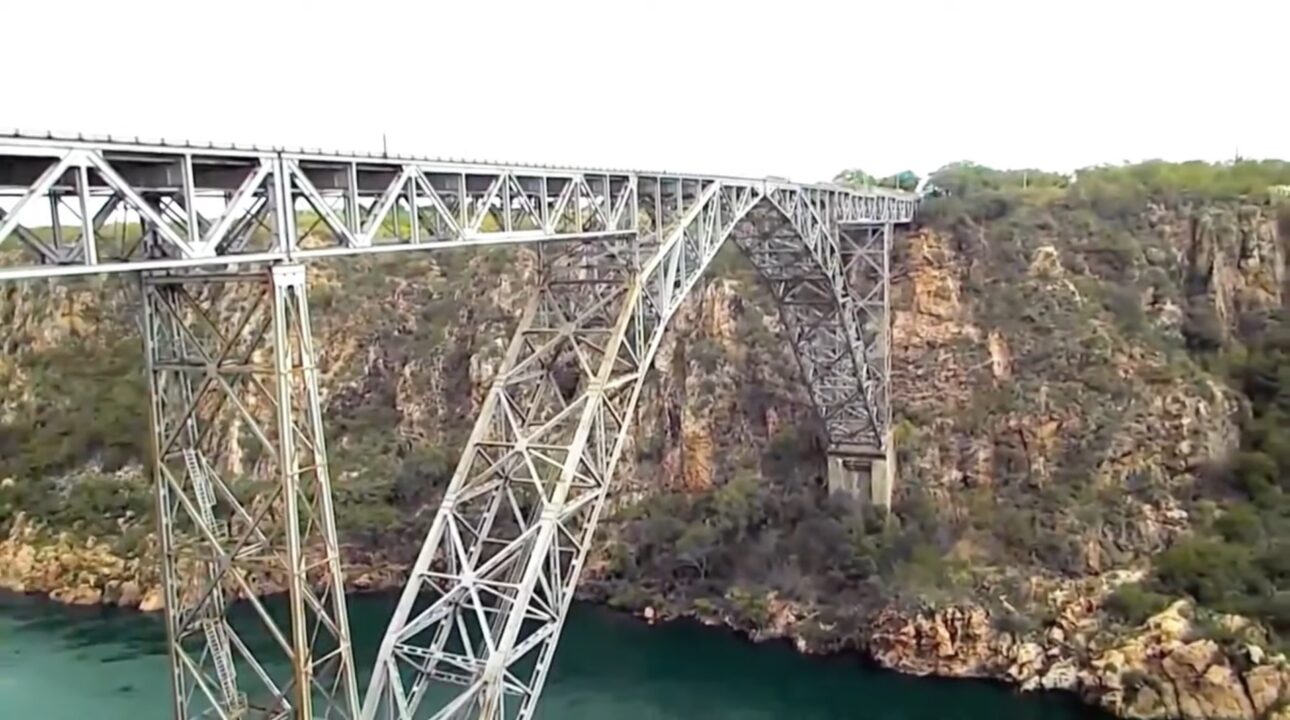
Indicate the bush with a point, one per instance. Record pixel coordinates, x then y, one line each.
1015 623
1125 304
707 353
424 470
1202 330
926 568
1135 604
1256 474
1273 610
1212 571
94 503
1240 524
749 606
705 607
631 598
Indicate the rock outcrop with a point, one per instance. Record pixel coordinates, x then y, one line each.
74 570
953 641
1158 671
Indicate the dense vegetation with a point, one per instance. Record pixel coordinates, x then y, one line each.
769 530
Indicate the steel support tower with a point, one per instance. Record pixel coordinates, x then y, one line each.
220 238
232 353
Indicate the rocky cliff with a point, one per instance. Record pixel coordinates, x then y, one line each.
1054 428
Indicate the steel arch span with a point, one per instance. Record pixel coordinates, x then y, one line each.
484 605
220 239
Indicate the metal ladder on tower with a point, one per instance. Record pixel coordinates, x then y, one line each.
212 621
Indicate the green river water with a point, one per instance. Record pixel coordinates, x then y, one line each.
60 663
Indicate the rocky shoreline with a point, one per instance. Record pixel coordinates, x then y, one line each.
1162 669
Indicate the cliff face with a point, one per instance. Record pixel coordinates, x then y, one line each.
1054 420
1053 432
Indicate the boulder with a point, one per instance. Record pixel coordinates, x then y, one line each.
78 595
1063 675
153 600
1267 686
130 594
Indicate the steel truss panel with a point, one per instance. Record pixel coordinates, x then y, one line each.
77 206
230 359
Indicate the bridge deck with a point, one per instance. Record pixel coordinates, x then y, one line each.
159 205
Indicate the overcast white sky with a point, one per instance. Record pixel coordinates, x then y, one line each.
799 88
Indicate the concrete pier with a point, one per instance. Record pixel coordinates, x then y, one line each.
866 474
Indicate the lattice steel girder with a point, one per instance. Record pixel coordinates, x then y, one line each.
476 627
491 586
230 361
203 205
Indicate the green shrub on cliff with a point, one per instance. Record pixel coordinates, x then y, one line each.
1210 570
1160 180
1135 604
88 502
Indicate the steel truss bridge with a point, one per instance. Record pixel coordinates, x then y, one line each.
220 239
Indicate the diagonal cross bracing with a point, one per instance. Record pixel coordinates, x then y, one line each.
475 629
483 608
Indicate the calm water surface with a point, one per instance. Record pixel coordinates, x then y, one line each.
59 663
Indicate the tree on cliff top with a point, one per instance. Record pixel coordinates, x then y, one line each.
906 180
965 178
855 177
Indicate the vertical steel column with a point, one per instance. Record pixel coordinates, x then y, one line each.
243 496
156 332
887 333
